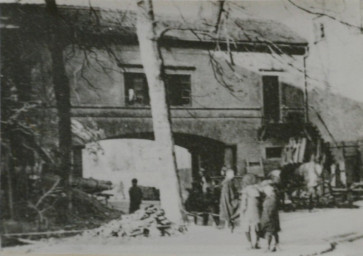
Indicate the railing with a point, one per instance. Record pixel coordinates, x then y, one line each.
180 112
288 115
292 115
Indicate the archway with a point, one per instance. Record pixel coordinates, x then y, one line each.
128 156
121 160
207 153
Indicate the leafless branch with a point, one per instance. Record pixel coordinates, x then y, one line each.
219 15
318 13
49 192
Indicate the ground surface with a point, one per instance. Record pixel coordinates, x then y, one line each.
303 233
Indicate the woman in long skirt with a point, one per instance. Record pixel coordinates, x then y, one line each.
228 205
270 221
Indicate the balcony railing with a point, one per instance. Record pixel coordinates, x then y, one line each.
288 115
292 115
176 112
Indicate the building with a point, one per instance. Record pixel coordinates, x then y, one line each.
236 97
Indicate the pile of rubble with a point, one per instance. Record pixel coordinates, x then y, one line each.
148 222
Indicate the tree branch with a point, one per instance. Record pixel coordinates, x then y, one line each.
313 12
219 15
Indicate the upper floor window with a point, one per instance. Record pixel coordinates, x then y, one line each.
136 90
271 98
178 88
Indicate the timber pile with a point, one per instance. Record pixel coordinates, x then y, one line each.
148 222
86 206
88 185
91 185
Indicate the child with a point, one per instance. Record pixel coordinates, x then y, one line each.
270 222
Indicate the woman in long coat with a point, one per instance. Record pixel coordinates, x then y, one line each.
228 205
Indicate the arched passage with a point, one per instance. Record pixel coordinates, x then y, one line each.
206 153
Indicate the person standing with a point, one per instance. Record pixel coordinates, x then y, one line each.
135 194
228 205
311 171
251 214
270 221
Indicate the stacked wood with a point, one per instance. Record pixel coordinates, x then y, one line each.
88 185
150 221
84 204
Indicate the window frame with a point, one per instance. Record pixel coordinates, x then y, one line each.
126 89
181 97
141 73
271 74
273 157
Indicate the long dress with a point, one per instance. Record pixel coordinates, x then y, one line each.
250 208
228 205
270 221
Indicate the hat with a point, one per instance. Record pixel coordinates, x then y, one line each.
229 174
275 176
265 183
249 179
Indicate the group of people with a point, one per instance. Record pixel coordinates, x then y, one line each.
256 205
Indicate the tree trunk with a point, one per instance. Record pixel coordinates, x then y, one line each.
62 95
8 168
170 192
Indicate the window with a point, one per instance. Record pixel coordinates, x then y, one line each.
136 89
177 88
271 98
273 152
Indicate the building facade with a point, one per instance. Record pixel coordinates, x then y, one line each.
236 97
219 103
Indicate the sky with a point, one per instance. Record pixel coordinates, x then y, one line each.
338 59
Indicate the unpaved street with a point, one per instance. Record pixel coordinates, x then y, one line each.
303 233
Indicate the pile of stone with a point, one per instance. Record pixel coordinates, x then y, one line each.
147 222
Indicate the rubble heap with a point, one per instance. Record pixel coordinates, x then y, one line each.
146 222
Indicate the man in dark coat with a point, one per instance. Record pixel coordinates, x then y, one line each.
135 197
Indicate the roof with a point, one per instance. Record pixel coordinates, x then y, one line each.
239 30
242 30
123 23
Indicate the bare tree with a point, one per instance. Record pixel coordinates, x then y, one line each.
152 61
62 94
